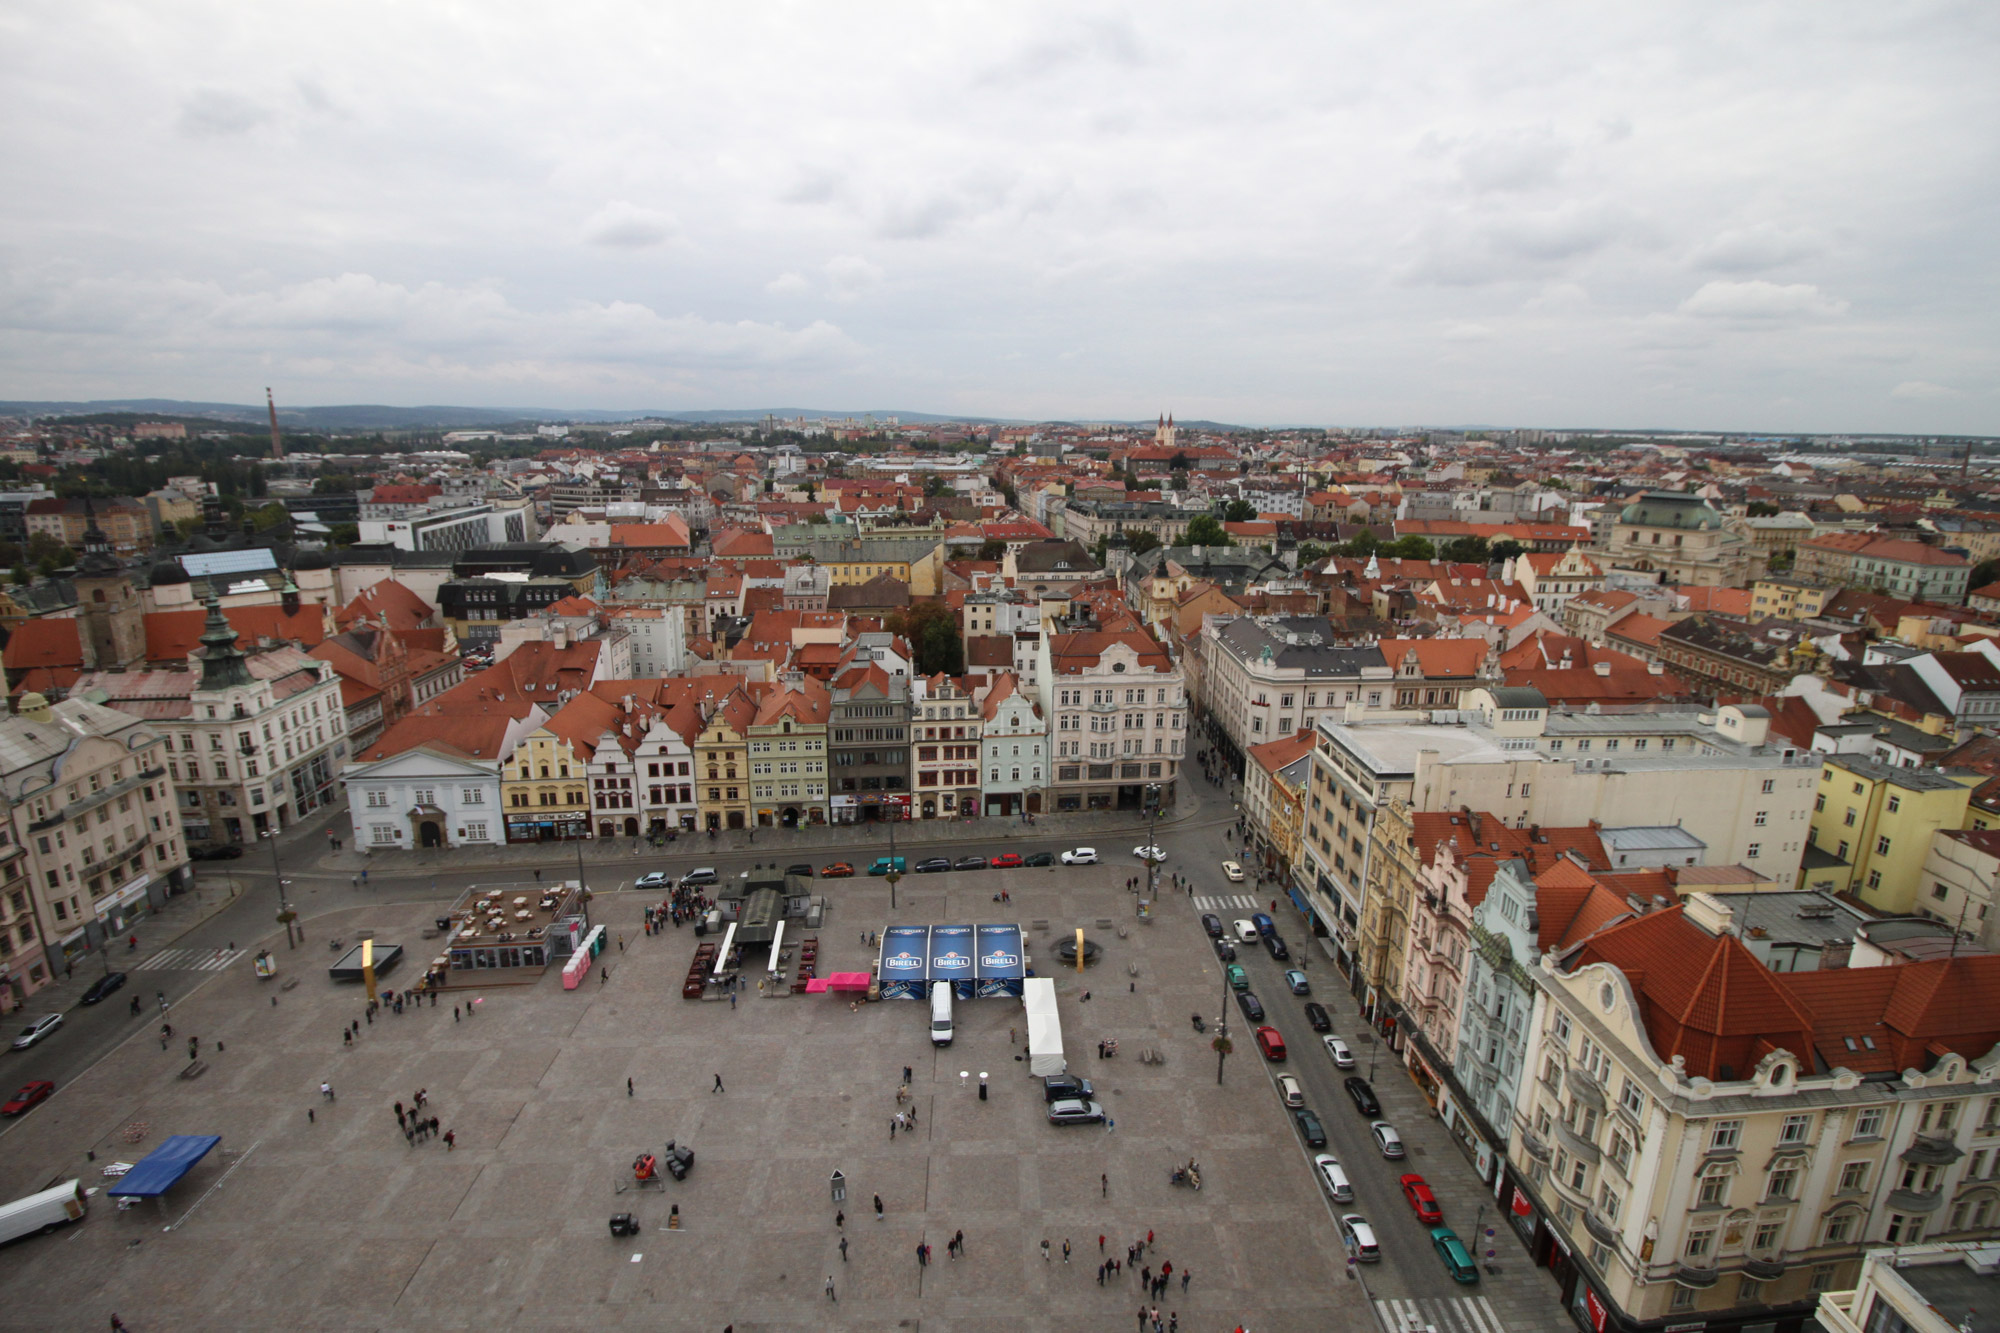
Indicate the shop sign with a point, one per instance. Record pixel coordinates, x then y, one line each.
1598 1313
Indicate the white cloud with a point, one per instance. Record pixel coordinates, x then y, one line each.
624 226
1761 300
787 284
848 276
216 113
1923 390
1756 248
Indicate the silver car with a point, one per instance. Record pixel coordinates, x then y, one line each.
1072 1111
36 1030
1387 1139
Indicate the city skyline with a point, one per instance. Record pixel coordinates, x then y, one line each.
1711 218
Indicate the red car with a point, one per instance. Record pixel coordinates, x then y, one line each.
838 870
1422 1201
29 1097
1271 1044
1004 861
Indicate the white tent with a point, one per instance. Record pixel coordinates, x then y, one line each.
1045 1047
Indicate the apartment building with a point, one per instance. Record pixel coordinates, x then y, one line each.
90 841
1118 709
1267 677
945 728
1714 1143
1872 827
1014 739
868 731
722 759
786 749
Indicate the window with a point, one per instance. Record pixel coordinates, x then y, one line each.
376 799
1881 846
1683 1299
1749 1291
1714 1190
1596 1062
1895 803
1632 1099
1753 851
1621 1154
1725 1136
1904 1230
1868 1125
1770 785
1783 1184
1761 818
1766 1236
1838 1228
1853 1178
1823 1277
1700 1244
1795 1129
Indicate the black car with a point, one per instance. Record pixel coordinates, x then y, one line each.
802 869
1277 948
1316 1015
1310 1128
1253 1008
1225 950
1039 859
226 852
1363 1095
1212 923
969 863
1067 1087
933 865
103 986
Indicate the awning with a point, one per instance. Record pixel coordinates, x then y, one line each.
163 1167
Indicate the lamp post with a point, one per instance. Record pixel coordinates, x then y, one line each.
1152 849
285 912
583 894
893 874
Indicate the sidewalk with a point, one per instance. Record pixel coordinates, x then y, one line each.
1053 832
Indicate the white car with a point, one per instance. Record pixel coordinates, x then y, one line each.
1232 872
1149 853
1290 1091
656 879
36 1030
1246 932
1387 1139
1342 1057
1333 1178
1082 856
1359 1238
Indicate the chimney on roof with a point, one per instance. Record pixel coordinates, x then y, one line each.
1601 668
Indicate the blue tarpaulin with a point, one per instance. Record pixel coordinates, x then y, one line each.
162 1168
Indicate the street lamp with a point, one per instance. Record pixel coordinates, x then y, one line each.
285 912
1152 848
893 874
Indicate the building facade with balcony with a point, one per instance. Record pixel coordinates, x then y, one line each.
946 721
1117 706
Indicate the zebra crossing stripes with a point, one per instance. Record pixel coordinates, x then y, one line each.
1456 1314
190 960
1238 902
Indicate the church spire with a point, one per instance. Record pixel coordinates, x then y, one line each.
221 660
97 557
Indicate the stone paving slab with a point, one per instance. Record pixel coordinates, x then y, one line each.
336 1221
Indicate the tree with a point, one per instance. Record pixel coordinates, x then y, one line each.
932 630
270 516
1467 551
344 534
1311 553
1178 481
1505 550
1239 511
1983 573
993 549
1362 546
1204 530
1411 547
1141 542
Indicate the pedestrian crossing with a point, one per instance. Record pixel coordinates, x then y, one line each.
1454 1314
190 960
1232 902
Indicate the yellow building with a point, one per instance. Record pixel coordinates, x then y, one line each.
1874 823
786 749
543 791
722 761
1385 912
1789 599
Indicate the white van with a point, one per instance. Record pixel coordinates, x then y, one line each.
699 878
941 1013
44 1211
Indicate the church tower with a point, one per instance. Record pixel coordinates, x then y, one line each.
1164 433
112 631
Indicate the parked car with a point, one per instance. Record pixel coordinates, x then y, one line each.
225 852
884 864
1363 1095
1004 861
28 1098
1451 1252
969 863
1417 1192
836 870
103 986
802 869
1297 981
1290 1092
1149 853
1264 924
1276 948
1272 1045
1225 951
1246 932
700 876
931 865
1067 1088
1333 1178
1253 1008
1316 1015
654 879
1080 856
1387 1139
1359 1238
1238 979
1343 1058
1232 872
1033 859
37 1030
1310 1128
1212 923
1070 1111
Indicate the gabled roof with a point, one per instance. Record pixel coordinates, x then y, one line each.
1283 752
388 603
172 635
1436 658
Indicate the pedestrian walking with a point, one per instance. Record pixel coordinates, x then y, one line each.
1185 1277
409 1137
1146 1277
829 1287
399 1113
450 1137
718 1084
1173 1321
1045 1250
1100 1243
454 1013
843 1249
1104 1192
604 975
923 1258
1142 1319
1149 1238
434 1126
1065 1249
732 1001
839 1219
621 949
958 1239
1100 1274
346 1038
311 1119
878 1208
1110 1125
628 1087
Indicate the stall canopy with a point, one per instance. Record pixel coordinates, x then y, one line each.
1045 1043
162 1168
951 958
905 960
1000 969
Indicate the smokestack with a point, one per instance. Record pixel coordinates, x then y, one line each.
277 440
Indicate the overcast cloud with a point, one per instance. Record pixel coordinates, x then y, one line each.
1701 215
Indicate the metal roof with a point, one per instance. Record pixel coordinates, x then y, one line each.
228 562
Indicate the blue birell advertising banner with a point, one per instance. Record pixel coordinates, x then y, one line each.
905 960
951 958
1000 968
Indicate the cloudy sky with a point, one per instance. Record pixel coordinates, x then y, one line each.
1702 215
